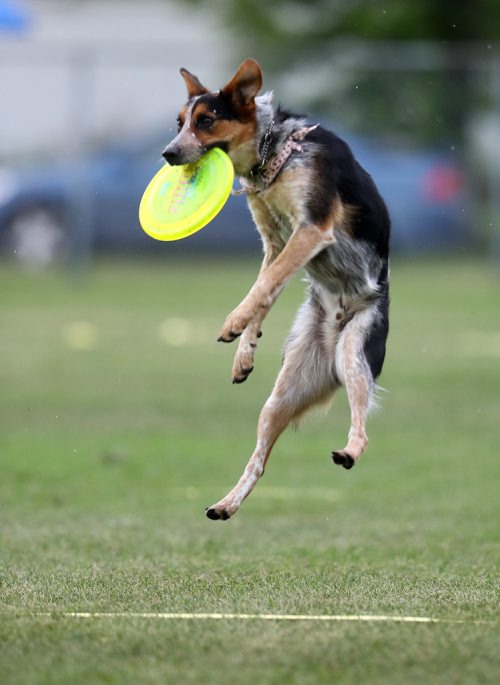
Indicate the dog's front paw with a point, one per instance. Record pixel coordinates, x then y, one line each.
242 374
243 360
234 325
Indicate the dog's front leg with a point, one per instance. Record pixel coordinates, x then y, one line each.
304 244
245 354
244 357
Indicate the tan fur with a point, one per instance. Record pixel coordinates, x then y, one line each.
343 215
182 115
286 196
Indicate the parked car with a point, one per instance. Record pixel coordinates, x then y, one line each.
90 204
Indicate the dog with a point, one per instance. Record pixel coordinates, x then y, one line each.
315 208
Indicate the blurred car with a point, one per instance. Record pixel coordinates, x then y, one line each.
425 191
91 204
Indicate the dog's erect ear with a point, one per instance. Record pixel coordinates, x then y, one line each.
245 84
193 85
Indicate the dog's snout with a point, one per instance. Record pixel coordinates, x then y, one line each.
172 154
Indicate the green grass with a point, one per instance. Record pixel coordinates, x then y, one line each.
110 450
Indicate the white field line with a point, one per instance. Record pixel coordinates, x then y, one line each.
327 618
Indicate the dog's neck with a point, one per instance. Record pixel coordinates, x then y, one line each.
248 155
273 129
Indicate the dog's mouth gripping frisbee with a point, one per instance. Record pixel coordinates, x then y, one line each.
180 200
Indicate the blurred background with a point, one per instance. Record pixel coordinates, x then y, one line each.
118 420
90 91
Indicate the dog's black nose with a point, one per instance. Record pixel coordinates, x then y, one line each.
171 155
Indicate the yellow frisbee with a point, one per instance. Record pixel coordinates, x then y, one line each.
179 200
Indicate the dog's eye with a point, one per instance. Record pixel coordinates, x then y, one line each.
204 123
179 124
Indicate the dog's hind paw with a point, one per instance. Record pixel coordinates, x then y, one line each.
217 514
343 459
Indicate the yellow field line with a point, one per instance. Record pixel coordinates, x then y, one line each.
327 618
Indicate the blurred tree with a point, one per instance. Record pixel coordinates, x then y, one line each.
283 30
297 37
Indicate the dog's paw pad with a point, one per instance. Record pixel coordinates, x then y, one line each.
343 459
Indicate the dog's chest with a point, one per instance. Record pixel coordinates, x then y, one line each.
286 202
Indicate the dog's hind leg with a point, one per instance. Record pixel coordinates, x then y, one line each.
306 378
355 374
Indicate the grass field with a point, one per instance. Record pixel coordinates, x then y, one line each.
119 424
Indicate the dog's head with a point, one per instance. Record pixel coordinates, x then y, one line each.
224 119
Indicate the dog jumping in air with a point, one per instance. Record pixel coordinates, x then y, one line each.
315 208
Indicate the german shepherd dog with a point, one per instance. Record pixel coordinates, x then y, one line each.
315 208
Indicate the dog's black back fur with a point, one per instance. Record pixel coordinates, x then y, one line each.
355 187
338 173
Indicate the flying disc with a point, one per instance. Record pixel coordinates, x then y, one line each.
180 200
